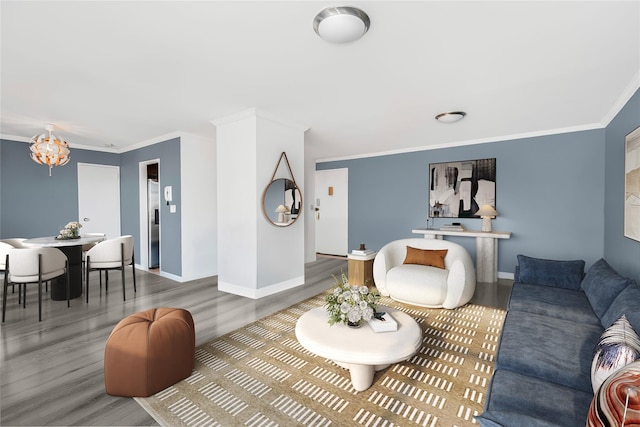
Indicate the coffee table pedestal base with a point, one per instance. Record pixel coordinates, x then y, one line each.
361 375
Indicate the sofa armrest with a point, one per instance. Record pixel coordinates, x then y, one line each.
381 265
461 283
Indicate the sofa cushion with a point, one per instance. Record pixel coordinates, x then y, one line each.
602 284
555 302
563 274
619 345
616 400
428 257
515 399
548 348
627 303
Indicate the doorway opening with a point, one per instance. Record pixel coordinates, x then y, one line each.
150 245
153 216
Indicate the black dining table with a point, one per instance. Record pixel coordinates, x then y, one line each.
72 248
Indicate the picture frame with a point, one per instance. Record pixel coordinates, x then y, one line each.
459 189
632 185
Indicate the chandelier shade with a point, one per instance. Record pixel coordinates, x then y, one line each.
50 150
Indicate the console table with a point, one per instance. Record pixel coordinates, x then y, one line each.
486 249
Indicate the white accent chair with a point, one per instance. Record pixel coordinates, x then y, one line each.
39 265
111 254
423 285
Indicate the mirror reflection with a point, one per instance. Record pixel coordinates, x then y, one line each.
281 202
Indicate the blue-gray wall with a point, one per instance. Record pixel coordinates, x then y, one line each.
168 153
34 204
550 194
621 252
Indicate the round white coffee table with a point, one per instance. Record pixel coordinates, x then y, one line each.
362 351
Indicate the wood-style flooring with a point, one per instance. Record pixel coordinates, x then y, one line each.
51 372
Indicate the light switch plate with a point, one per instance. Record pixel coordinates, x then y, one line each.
172 208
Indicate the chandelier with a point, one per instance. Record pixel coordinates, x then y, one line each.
49 149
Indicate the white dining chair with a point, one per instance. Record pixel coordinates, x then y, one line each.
24 266
4 251
111 254
15 242
5 245
87 246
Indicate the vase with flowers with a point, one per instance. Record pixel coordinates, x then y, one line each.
351 304
70 231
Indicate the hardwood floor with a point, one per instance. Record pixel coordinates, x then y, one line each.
51 372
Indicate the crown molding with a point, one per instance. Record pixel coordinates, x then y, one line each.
454 144
622 100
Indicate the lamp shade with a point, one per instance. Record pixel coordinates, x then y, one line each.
50 150
341 24
488 211
281 210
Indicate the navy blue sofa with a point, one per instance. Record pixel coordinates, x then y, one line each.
555 317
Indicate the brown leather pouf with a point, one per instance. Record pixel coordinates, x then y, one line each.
148 352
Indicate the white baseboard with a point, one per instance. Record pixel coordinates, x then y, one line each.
173 277
165 274
504 275
260 292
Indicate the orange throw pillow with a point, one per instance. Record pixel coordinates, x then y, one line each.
429 257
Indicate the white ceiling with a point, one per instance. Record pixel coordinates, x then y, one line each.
123 73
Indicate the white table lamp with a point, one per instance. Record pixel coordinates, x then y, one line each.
486 212
281 211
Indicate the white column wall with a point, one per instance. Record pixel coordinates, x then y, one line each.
256 258
237 195
280 249
199 207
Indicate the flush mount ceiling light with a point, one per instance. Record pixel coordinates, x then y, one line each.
48 149
451 116
341 24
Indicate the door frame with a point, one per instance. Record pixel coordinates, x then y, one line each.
143 214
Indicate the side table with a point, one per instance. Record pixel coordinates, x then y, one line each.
361 269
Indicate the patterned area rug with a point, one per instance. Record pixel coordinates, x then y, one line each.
260 375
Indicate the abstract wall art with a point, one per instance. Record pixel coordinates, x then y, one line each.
459 189
632 185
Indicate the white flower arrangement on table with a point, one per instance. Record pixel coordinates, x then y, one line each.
351 304
70 231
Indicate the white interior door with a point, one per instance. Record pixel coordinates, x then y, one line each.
99 199
332 211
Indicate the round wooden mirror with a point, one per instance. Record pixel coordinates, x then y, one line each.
282 202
